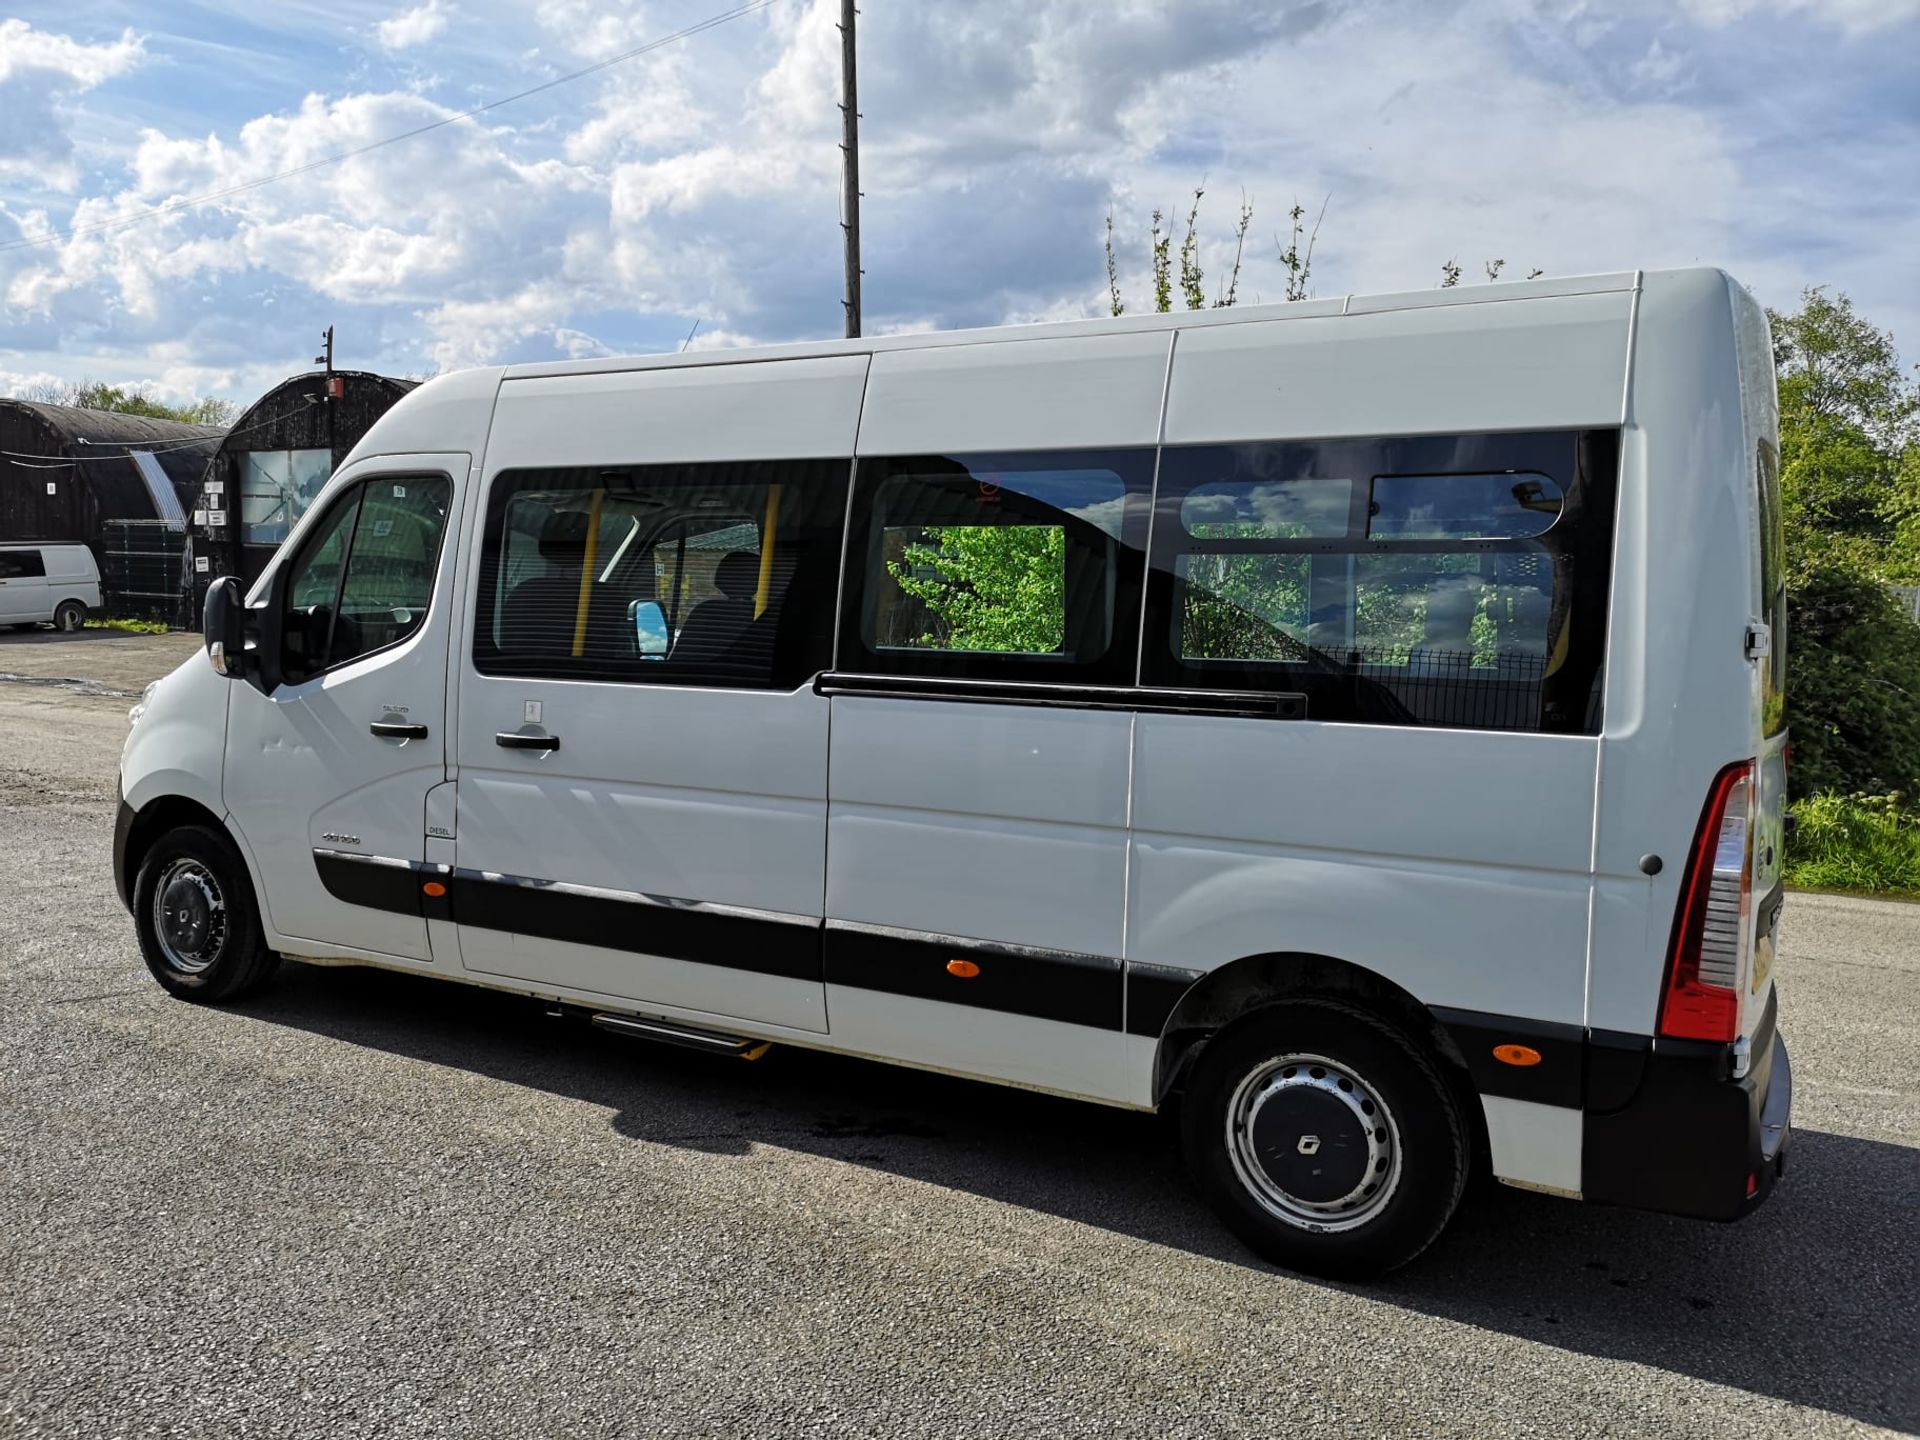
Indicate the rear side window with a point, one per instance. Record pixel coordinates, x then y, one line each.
698 574
21 565
1457 580
1007 567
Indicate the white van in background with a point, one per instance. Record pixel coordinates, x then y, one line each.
1361 717
55 585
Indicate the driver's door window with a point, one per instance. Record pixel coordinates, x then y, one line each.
313 590
364 579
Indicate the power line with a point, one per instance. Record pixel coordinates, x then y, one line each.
191 201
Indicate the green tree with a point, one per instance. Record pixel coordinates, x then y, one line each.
131 400
1850 491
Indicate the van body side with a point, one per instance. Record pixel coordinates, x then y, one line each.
1363 716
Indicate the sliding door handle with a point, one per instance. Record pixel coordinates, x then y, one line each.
507 739
394 730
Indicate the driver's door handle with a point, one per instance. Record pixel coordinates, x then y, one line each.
511 741
394 730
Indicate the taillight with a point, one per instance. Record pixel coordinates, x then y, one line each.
1713 930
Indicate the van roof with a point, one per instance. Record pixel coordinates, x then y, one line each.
1504 292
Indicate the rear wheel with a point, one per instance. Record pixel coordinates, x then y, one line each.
194 911
1325 1139
69 617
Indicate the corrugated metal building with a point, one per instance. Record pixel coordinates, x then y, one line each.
274 461
63 471
120 484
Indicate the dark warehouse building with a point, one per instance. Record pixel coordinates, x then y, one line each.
120 484
274 461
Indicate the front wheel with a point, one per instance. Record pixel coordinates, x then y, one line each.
194 912
69 617
1325 1139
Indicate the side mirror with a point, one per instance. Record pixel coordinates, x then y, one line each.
225 627
650 629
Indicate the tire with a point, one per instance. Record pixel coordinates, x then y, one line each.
194 911
1283 1134
69 617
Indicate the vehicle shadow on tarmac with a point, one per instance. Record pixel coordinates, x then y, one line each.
1814 1300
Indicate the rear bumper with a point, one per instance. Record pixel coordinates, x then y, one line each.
1693 1139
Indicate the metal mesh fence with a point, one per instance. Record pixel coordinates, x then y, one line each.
1452 687
144 570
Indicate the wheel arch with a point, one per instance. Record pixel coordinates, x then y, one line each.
154 819
1241 987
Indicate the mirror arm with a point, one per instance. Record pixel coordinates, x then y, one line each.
261 646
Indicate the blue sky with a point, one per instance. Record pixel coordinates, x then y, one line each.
1780 138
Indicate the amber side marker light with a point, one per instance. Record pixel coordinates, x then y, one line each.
1516 1054
965 969
434 888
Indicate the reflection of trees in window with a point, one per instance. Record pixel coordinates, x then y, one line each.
1000 588
1244 606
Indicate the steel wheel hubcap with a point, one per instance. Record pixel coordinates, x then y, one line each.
189 916
1313 1143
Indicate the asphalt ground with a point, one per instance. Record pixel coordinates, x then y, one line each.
361 1204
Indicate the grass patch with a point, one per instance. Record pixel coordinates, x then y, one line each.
131 627
1867 844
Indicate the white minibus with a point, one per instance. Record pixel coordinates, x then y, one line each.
57 585
1359 720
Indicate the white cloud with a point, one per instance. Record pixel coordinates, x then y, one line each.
1659 69
29 383
702 180
40 72
1853 16
24 49
412 27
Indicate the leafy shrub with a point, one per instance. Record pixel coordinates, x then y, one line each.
1853 680
1867 843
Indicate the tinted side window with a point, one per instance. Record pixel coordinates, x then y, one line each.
700 574
1012 567
1457 580
21 565
364 577
1773 587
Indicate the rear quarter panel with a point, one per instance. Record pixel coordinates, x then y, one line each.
1680 693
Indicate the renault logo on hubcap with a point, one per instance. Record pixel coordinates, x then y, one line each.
1309 1144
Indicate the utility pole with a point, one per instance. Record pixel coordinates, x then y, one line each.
850 152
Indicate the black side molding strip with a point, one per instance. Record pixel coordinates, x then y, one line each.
381 883
1061 985
763 942
1065 986
1557 1078
1260 705
1152 992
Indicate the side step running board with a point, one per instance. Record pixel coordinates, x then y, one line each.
711 1041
